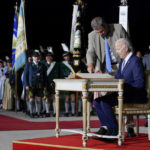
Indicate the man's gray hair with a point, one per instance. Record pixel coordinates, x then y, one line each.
97 22
125 42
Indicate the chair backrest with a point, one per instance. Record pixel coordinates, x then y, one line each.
147 81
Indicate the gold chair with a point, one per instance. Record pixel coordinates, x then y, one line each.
137 109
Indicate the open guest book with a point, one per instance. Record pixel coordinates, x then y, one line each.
90 76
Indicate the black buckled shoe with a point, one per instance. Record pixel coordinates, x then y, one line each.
112 131
101 131
66 114
72 114
47 114
146 124
31 115
79 113
40 115
130 132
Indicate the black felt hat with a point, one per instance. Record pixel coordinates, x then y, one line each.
49 54
35 54
65 54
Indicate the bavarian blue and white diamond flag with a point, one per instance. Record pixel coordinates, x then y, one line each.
14 40
21 45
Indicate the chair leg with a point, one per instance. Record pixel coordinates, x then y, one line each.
123 128
149 127
137 125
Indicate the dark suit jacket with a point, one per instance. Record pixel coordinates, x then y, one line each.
146 62
34 75
134 87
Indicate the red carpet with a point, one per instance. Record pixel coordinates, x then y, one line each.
75 142
10 123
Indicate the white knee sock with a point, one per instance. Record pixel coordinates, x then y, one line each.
54 107
80 105
38 107
31 105
66 106
43 105
73 107
47 104
27 105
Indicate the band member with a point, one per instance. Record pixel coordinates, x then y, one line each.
52 73
66 68
35 82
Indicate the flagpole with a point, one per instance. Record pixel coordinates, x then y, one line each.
16 94
16 7
124 2
76 41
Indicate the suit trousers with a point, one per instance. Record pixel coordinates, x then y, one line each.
103 106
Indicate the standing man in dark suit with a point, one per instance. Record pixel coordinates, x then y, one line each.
35 80
146 61
130 69
146 64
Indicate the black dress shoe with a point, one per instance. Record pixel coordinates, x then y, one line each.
40 115
79 113
66 114
146 124
28 113
44 112
31 116
72 114
92 113
47 114
130 132
112 131
101 131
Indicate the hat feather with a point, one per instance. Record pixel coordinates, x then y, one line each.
65 47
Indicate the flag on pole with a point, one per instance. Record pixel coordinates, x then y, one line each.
123 16
21 44
73 28
14 36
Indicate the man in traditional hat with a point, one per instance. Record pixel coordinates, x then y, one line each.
2 79
52 73
65 70
35 82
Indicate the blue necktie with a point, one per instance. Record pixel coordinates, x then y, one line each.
123 65
107 56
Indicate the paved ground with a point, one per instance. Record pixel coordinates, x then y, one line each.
7 137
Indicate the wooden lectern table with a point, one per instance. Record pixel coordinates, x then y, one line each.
86 85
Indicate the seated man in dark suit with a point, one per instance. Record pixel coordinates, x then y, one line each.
130 69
